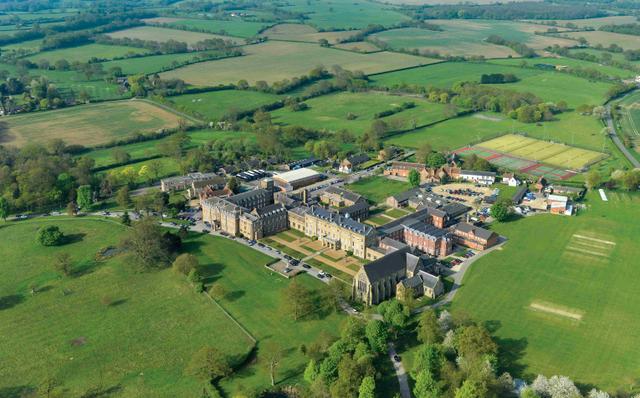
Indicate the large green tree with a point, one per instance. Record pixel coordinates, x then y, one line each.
367 388
148 245
426 385
84 197
4 208
501 210
377 335
208 364
414 178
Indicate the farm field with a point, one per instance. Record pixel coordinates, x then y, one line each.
548 85
570 128
377 189
30 45
154 33
345 14
605 39
216 104
578 331
467 38
275 61
331 112
87 52
358 46
571 63
542 151
598 53
153 63
86 125
122 334
231 28
305 33
594 22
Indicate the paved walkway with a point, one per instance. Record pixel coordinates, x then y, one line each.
323 260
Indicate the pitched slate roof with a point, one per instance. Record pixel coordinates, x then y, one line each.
358 159
384 266
406 195
348 195
341 221
428 280
478 173
477 231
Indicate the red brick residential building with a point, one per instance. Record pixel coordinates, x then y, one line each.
465 234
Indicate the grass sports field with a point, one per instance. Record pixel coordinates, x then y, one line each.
551 153
306 33
331 112
154 33
231 28
130 345
274 61
85 53
87 124
570 128
605 39
548 85
216 104
467 38
378 189
565 302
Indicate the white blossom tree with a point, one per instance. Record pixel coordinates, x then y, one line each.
445 320
597 394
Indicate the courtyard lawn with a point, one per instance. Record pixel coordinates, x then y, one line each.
128 331
87 52
253 299
377 189
332 111
565 302
87 124
548 85
274 61
236 28
214 105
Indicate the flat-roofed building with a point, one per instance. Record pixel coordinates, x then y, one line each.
292 180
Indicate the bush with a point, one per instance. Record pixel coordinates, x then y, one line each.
50 236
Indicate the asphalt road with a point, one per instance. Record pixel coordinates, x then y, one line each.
616 140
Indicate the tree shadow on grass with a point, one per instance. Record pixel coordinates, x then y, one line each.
73 238
10 301
85 268
16 392
119 302
510 353
235 295
101 392
191 246
210 272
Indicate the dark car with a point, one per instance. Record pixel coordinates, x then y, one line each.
306 266
396 358
294 262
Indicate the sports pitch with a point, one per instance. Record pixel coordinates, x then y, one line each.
551 153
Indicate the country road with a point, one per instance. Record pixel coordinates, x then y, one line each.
616 140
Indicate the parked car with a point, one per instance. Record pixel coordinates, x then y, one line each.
205 231
396 358
306 266
287 270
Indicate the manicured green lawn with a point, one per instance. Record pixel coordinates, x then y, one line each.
140 344
565 268
548 85
214 105
331 112
378 189
85 53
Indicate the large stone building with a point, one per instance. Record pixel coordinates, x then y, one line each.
423 236
382 279
333 229
184 182
292 180
251 214
347 203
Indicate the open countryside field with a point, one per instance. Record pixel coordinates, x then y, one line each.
275 61
563 268
153 63
571 63
87 52
467 38
216 104
346 14
570 128
86 125
593 22
153 33
305 33
232 28
548 85
543 151
331 112
358 46
122 332
606 39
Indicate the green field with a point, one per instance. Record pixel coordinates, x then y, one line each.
132 345
87 52
570 128
275 61
305 33
86 125
595 22
564 270
153 63
345 14
467 38
30 45
231 28
550 86
571 63
378 189
216 104
154 33
628 42
330 112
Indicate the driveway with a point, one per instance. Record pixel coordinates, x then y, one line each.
405 391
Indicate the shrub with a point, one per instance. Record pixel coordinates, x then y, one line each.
50 236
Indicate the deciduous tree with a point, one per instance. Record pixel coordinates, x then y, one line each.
63 264
209 364
414 178
184 263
